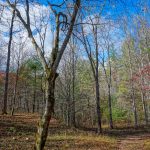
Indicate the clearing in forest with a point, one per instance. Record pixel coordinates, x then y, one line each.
18 133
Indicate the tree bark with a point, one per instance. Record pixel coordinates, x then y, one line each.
95 70
4 110
34 94
49 110
132 89
110 107
15 91
134 108
144 108
73 90
143 97
49 69
109 91
99 129
26 99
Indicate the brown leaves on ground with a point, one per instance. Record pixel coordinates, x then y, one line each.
18 133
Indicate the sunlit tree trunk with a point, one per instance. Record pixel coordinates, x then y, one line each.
49 68
49 110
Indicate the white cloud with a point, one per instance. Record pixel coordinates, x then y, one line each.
39 20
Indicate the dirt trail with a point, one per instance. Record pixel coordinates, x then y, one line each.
133 142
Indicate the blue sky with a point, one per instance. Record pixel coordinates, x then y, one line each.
111 5
114 9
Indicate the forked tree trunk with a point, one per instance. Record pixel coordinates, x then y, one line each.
42 132
50 71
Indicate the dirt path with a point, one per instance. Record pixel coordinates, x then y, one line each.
135 142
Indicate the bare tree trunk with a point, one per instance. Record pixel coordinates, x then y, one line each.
108 80
15 91
43 94
73 94
132 90
4 110
27 103
68 112
143 97
34 94
134 107
49 110
144 108
26 99
110 107
99 129
109 92
38 105
73 115
49 68
95 71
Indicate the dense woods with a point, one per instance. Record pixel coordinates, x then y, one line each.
84 63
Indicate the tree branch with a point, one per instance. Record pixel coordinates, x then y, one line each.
60 53
27 26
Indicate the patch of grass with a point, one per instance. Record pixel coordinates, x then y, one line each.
147 144
83 142
82 137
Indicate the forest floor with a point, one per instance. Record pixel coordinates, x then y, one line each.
18 133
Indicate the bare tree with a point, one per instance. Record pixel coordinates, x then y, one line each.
20 56
129 49
4 110
94 62
108 77
50 69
